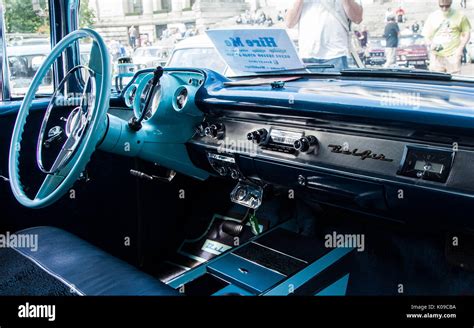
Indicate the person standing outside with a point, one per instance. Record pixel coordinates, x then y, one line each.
388 13
324 30
133 35
392 35
400 13
415 28
447 32
364 37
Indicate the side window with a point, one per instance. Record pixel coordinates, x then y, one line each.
27 37
133 7
90 14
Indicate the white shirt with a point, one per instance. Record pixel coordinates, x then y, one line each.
321 34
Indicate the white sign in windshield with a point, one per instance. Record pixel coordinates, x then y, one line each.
256 50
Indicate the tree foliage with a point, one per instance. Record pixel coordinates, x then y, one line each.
86 14
32 16
22 17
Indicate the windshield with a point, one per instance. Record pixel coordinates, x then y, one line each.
143 52
376 43
320 35
198 57
412 41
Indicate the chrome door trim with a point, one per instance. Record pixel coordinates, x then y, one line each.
5 81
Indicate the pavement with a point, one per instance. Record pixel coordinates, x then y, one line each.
468 69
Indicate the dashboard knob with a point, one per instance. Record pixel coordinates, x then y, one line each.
258 136
222 170
234 174
215 131
306 144
201 129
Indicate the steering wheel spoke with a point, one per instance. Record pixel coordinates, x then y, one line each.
49 185
65 154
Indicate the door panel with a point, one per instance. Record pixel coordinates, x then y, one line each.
92 213
8 113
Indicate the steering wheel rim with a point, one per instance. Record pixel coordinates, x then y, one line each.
56 185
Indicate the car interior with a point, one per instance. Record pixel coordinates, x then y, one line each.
187 182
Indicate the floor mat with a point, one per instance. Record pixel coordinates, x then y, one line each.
397 259
20 277
213 242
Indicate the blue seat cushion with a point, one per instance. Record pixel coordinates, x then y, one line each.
87 270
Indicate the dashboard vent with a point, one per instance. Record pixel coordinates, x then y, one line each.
182 98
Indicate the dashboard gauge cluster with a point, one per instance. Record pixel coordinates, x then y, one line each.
174 91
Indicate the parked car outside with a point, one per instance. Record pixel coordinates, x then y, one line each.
413 52
375 52
146 57
23 63
197 51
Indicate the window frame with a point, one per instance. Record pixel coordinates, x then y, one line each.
59 12
133 9
5 76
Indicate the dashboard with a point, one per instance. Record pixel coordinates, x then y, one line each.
408 163
341 141
173 91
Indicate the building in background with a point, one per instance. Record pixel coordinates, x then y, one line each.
153 17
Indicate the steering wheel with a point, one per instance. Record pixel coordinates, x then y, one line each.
85 125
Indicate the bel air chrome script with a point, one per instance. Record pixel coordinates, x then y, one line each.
366 154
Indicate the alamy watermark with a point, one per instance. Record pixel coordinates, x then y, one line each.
28 310
74 99
229 145
9 240
336 240
401 99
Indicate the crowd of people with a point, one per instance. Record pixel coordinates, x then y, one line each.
173 34
258 17
326 28
399 15
446 33
325 32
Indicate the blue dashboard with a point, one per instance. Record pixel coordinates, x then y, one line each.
421 102
398 148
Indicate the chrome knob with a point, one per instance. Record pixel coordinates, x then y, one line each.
258 137
215 131
306 144
234 174
222 170
201 129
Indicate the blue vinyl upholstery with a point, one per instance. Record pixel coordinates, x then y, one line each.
86 269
